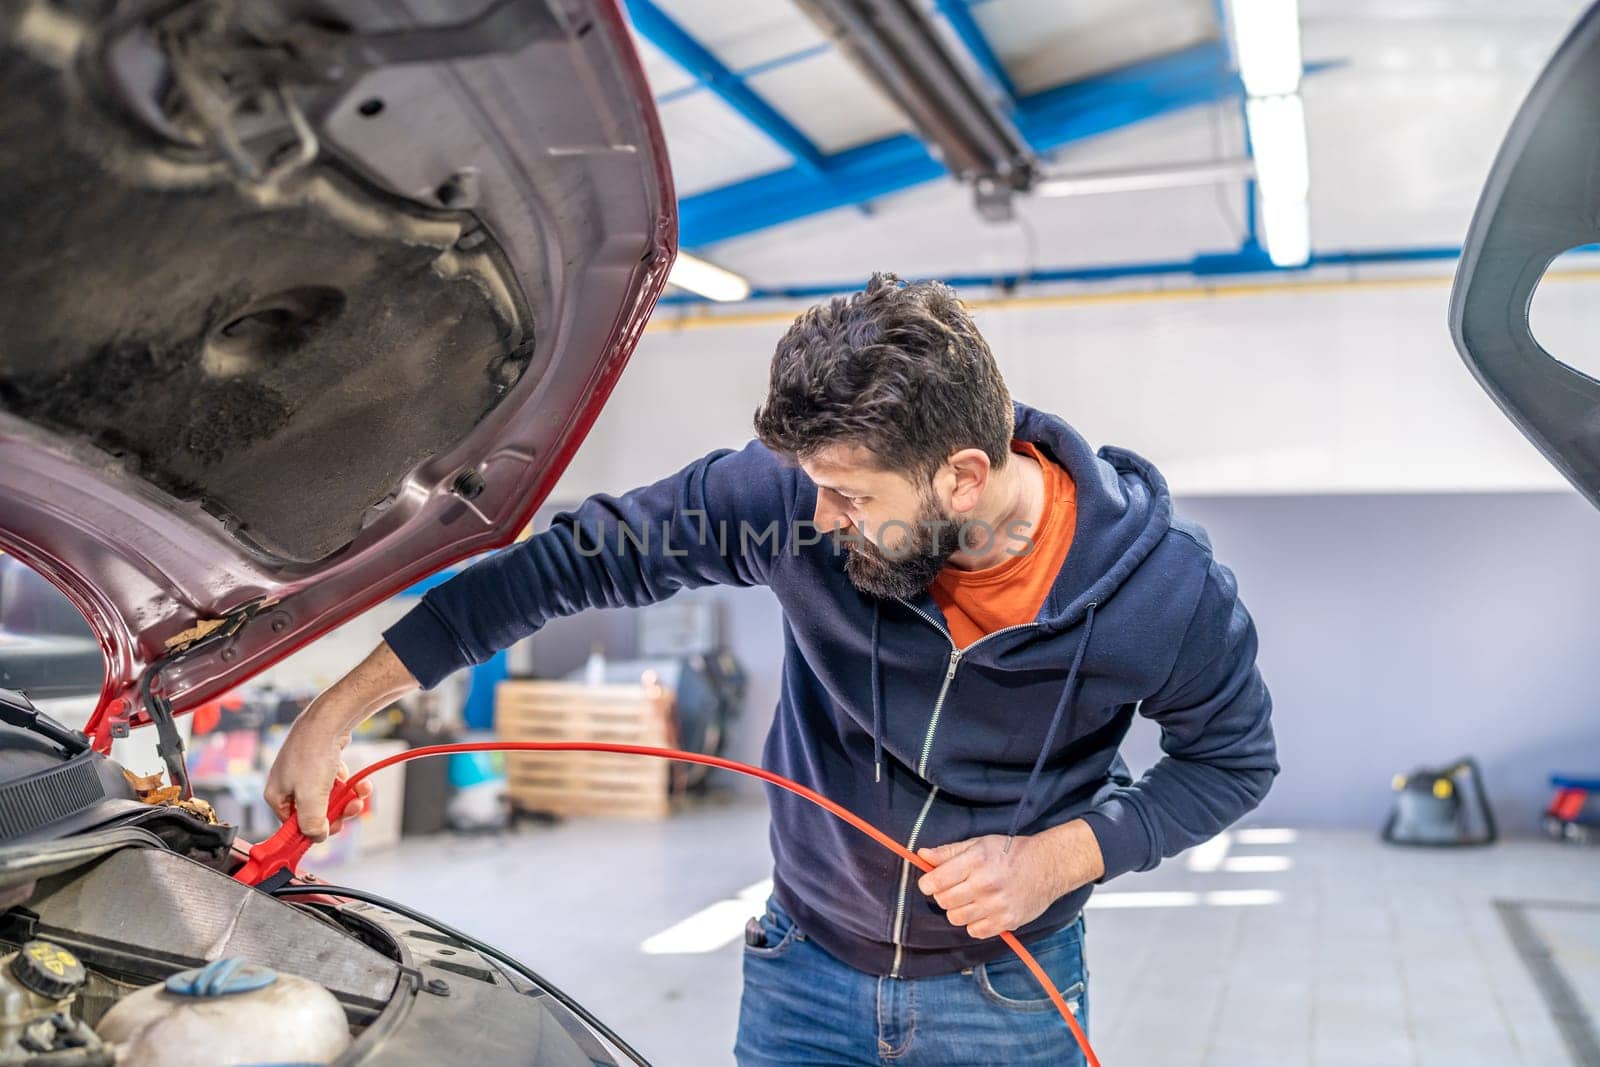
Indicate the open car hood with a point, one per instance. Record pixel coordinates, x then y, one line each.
1539 201
303 301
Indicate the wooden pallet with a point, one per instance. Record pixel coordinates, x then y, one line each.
587 783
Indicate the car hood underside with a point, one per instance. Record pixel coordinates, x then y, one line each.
303 301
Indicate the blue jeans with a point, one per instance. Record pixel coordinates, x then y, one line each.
802 1006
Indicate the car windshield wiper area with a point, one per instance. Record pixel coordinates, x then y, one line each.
17 710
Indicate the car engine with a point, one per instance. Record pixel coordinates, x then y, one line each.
124 939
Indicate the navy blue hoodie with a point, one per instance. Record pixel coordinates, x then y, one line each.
880 711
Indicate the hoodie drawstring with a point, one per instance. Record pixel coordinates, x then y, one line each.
1055 724
877 703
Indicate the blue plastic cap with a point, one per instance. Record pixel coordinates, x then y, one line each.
222 978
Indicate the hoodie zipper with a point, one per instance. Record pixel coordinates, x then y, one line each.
922 771
905 881
938 706
950 672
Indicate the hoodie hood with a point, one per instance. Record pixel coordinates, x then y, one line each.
1123 512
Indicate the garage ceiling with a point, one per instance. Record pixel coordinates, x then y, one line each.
1405 103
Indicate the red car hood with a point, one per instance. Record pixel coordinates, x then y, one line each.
304 302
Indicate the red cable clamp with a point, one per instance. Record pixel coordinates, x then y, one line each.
278 857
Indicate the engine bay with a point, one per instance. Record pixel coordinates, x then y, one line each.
126 940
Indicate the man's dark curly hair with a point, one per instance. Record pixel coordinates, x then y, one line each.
898 369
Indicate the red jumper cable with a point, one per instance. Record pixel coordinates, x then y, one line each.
279 856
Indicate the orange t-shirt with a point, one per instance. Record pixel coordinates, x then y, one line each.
1011 593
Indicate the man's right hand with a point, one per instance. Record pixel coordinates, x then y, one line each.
309 763
303 775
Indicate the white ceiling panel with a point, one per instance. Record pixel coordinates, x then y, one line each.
1045 43
711 144
745 33
662 72
830 101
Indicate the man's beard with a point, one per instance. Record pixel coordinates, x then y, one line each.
910 568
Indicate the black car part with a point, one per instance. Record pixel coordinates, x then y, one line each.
45 791
480 947
17 710
169 744
1539 202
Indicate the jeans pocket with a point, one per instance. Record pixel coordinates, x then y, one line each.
1008 983
779 933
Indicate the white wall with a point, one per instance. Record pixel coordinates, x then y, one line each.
1285 390
1434 618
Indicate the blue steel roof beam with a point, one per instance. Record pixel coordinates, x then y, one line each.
959 15
1221 265
1197 75
1048 119
657 27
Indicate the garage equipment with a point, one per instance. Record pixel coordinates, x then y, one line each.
1432 808
707 690
275 861
1574 814
897 45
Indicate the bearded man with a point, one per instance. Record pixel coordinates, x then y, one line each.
976 604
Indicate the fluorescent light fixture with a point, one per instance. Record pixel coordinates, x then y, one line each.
1170 176
1286 231
1278 142
707 279
1266 835
1283 176
1266 41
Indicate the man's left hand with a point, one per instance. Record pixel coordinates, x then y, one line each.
988 890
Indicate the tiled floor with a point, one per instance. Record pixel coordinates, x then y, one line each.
1320 948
